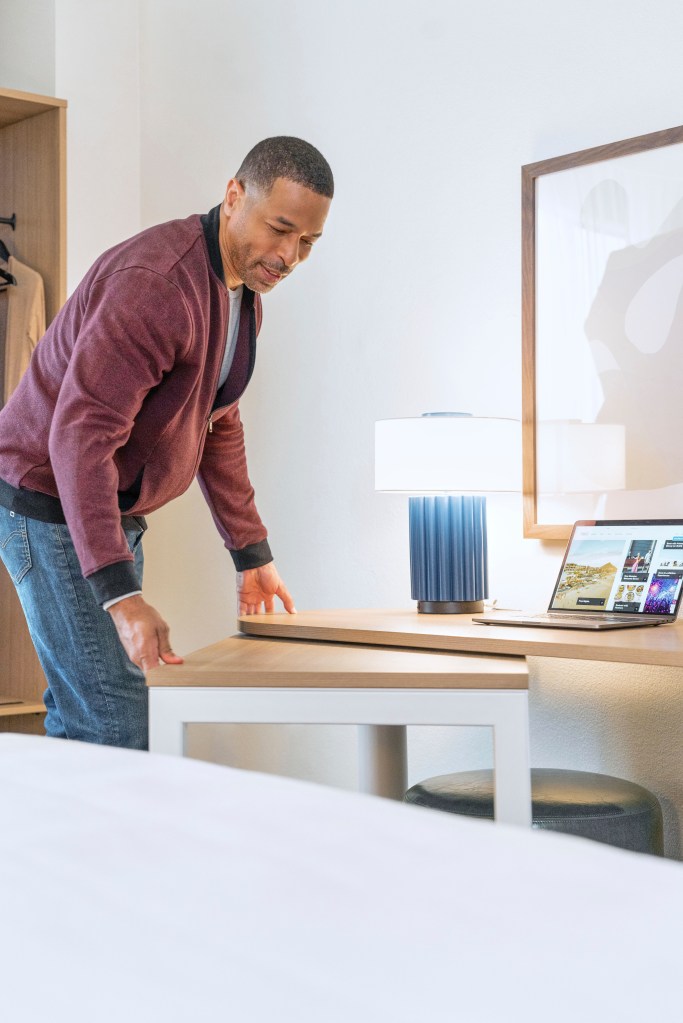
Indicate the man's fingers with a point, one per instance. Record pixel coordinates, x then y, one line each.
143 633
164 640
168 657
257 590
287 599
148 661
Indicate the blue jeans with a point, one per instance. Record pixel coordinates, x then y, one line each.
95 693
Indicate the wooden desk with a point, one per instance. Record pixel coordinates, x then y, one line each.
269 680
405 628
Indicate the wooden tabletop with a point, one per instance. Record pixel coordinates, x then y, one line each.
243 661
457 633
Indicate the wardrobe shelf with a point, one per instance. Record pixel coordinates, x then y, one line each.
24 707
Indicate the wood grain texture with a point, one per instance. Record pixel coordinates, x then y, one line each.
529 352
29 723
17 106
32 185
19 709
20 671
661 645
243 661
609 151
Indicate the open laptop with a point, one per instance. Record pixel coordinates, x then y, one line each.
615 575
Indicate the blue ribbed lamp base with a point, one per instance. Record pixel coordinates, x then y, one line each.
448 554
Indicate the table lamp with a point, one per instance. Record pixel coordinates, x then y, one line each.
450 459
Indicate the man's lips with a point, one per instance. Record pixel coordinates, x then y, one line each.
273 275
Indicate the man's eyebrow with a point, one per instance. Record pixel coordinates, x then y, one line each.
288 223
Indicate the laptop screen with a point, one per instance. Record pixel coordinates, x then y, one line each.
627 567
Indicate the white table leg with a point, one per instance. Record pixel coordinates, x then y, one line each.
166 725
512 772
382 760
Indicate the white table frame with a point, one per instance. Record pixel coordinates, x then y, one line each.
382 716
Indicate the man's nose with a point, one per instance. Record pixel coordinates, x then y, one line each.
288 251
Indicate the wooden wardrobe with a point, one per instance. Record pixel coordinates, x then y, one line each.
33 187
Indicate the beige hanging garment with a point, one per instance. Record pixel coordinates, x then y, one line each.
25 322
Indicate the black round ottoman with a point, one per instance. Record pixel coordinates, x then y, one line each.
593 806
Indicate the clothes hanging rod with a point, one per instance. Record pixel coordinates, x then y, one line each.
12 221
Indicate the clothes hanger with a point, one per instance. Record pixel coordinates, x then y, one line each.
4 251
7 277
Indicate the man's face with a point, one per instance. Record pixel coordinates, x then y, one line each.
263 237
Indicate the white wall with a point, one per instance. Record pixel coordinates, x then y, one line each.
96 70
27 46
410 302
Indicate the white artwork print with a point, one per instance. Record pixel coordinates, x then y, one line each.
609 325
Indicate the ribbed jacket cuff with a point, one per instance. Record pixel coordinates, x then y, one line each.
253 556
114 581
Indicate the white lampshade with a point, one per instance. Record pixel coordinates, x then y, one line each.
580 458
448 453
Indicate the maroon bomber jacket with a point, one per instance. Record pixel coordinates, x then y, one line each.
118 410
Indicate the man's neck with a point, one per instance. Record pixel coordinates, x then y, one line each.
232 280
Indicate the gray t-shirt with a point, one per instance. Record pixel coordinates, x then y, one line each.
233 327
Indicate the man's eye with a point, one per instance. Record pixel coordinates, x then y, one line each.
276 230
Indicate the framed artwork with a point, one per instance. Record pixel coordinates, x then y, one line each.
602 334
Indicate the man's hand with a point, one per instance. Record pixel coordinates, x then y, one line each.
258 587
143 632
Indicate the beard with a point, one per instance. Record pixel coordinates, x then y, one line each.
250 269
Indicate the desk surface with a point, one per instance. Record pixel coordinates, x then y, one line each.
245 662
661 645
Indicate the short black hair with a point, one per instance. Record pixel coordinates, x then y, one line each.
285 156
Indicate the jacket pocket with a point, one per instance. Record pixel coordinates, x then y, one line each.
14 547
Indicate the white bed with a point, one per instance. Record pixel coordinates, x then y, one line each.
143 887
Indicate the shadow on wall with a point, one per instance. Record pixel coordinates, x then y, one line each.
320 753
621 720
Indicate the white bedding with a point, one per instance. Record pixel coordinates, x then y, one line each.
142 887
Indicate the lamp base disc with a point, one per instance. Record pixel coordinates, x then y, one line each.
449 607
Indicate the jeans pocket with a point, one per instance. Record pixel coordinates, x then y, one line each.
14 546
133 537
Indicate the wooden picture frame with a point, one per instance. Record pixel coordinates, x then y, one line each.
547 269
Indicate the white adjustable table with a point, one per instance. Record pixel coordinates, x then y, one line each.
382 690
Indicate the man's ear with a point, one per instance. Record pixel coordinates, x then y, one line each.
234 196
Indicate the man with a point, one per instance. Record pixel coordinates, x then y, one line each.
132 392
